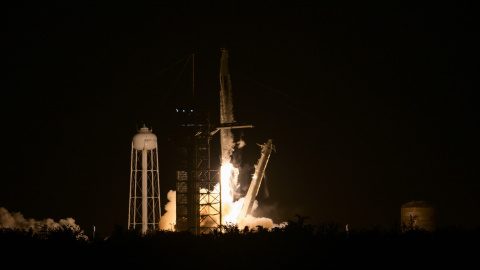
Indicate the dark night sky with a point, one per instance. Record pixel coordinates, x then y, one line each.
370 105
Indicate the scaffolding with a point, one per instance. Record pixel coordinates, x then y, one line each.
198 189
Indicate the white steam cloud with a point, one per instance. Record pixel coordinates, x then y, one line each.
16 220
241 143
167 221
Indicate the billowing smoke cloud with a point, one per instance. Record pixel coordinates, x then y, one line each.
252 222
168 219
16 220
227 144
241 143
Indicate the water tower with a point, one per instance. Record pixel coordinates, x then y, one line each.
144 210
417 215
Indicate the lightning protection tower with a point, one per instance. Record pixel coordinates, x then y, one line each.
144 210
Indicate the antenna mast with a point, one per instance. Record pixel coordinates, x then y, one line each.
193 77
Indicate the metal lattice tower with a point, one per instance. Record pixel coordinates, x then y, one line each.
144 203
198 197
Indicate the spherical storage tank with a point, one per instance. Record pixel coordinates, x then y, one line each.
144 139
419 215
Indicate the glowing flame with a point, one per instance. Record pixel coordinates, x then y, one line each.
230 207
229 179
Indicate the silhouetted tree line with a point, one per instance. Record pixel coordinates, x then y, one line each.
296 245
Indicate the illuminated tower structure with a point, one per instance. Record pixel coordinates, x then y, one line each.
198 204
144 210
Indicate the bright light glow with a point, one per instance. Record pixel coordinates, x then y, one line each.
229 178
230 208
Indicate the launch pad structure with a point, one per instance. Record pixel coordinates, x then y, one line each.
198 186
197 193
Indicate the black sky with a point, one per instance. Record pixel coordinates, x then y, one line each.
370 105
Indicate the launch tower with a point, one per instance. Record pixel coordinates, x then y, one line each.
198 189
